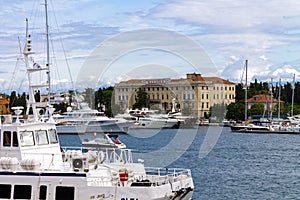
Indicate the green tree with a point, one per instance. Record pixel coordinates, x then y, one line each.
218 111
256 109
236 111
107 100
141 99
13 99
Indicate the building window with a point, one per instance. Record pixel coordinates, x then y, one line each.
193 96
167 96
206 95
157 96
184 96
202 96
225 88
202 105
207 105
162 96
157 88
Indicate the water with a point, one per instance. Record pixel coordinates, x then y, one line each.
238 166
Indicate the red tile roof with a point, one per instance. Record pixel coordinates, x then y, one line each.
261 98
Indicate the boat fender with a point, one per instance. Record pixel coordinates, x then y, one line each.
123 174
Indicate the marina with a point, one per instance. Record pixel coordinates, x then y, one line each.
239 166
34 165
157 111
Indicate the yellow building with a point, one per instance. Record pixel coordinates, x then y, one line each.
4 106
193 95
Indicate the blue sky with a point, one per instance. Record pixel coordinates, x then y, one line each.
227 31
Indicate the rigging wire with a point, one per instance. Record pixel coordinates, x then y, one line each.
63 48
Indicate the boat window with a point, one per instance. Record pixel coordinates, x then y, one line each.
6 138
53 136
43 192
41 137
15 139
5 191
22 192
64 193
26 138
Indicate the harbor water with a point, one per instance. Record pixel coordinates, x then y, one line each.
224 165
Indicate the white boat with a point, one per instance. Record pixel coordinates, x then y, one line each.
87 120
148 119
33 165
106 140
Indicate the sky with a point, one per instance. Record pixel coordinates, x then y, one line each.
97 43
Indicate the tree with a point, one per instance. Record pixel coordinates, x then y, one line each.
13 99
235 111
218 111
141 99
256 109
107 100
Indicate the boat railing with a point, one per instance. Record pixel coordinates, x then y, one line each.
102 155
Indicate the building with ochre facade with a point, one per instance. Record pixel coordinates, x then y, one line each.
194 95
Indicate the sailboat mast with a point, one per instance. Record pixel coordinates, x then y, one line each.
48 51
246 103
279 98
271 106
293 96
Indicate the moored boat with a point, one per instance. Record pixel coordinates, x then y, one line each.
33 165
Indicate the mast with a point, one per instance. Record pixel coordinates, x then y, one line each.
271 106
293 95
279 98
48 51
246 103
28 51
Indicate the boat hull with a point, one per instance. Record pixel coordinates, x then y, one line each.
75 186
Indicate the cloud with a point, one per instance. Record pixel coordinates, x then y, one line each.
231 14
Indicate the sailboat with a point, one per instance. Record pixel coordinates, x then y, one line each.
33 165
247 127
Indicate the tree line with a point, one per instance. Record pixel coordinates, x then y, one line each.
236 111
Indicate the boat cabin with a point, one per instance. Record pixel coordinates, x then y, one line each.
30 142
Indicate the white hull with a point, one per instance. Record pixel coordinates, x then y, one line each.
145 123
70 185
112 127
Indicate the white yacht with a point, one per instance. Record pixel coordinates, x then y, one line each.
87 120
105 140
33 165
148 119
